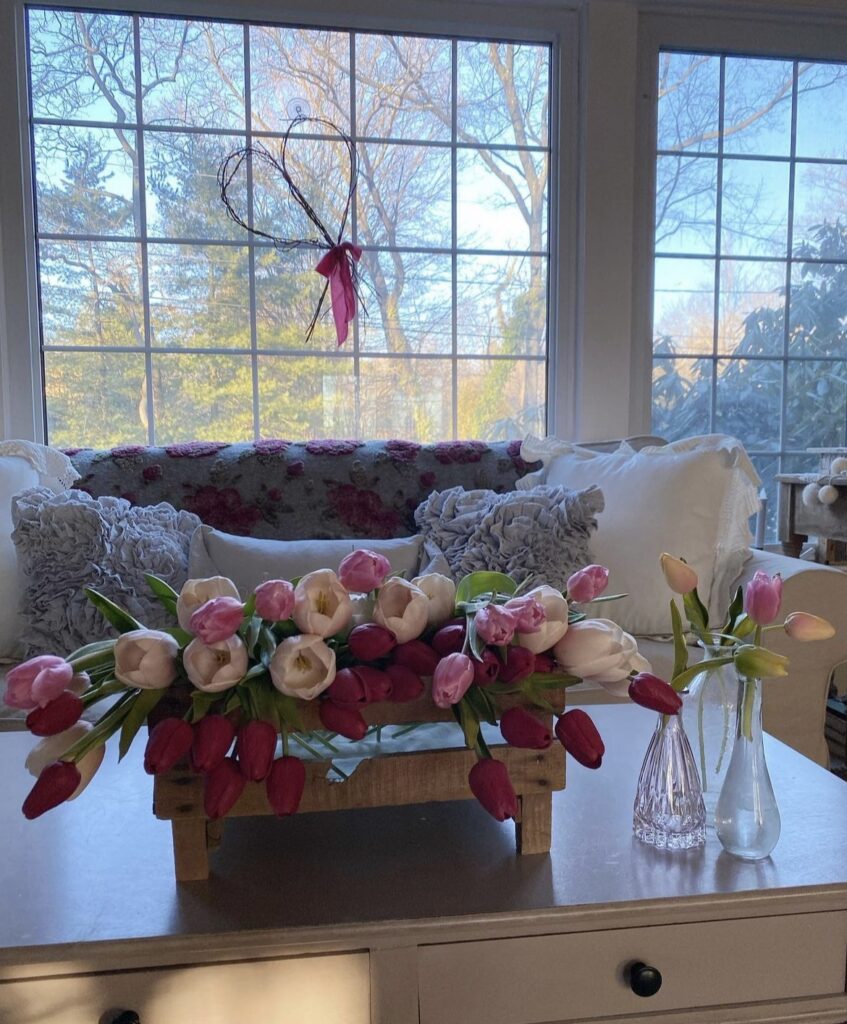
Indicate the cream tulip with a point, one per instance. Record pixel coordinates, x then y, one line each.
403 608
51 748
441 594
302 666
322 605
599 651
195 593
215 667
679 575
146 658
554 626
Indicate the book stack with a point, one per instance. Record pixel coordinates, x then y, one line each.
836 732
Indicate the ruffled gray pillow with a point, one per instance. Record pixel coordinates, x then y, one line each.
542 532
70 540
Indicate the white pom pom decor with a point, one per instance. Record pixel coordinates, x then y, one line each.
839 466
828 494
810 495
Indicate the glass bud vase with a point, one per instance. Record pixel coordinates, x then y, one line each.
747 818
669 811
709 716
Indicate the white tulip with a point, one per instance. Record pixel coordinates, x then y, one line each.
403 608
197 592
146 658
322 605
599 651
441 593
302 666
215 667
554 626
51 748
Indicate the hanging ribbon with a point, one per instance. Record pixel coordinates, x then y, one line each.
339 264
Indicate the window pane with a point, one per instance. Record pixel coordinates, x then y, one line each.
757 106
407 398
501 398
686 203
488 215
684 305
816 411
818 319
689 101
822 110
682 396
767 466
748 395
305 397
411 307
503 305
202 397
752 308
820 202
754 208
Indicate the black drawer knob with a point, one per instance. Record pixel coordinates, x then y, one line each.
126 1017
644 980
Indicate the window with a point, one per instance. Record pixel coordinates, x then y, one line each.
750 271
162 320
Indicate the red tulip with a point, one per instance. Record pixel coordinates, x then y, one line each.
255 749
376 683
346 721
579 736
406 685
224 785
490 784
520 663
522 729
52 787
486 671
347 689
449 640
59 714
654 693
169 742
213 736
544 663
370 641
284 785
417 656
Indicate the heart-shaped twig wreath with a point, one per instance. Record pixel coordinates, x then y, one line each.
338 264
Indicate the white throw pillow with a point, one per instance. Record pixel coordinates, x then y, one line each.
692 498
247 561
16 474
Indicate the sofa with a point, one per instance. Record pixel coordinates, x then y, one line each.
344 488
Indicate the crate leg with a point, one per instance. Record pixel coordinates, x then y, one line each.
214 832
534 829
191 859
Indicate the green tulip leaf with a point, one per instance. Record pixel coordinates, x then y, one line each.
476 584
165 593
121 620
136 717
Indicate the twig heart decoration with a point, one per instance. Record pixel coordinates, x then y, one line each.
339 262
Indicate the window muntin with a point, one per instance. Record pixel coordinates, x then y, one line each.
162 320
750 268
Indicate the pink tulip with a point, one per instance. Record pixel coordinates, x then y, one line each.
588 584
490 784
520 663
61 713
224 785
169 742
763 597
406 684
56 784
417 656
451 679
654 693
530 614
275 600
363 570
495 624
369 641
255 749
36 682
580 738
284 785
520 728
485 672
217 620
213 736
805 626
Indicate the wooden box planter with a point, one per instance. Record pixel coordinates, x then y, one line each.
391 779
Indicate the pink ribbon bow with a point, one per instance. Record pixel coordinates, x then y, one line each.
337 267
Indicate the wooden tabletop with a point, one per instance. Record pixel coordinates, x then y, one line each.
99 870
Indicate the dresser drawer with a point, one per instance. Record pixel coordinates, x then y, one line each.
579 976
325 989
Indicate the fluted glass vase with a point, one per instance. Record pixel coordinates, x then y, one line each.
669 811
709 716
747 818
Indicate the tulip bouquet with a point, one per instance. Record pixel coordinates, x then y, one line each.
232 678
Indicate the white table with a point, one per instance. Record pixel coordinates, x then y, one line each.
426 913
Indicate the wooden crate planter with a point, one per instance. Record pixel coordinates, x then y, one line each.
382 781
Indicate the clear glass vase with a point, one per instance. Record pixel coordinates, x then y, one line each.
709 715
747 818
669 811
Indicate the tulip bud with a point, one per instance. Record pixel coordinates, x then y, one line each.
520 663
417 656
169 742
347 689
59 714
449 640
255 749
522 729
495 624
802 626
530 614
346 721
224 785
216 620
587 584
284 785
406 685
363 570
376 683
213 736
760 663
762 598
54 786
370 641
275 600
579 736
485 672
451 679
654 693
545 663
681 578
490 784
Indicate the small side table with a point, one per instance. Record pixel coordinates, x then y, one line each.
798 522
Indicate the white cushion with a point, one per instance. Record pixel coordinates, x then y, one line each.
247 561
16 474
692 498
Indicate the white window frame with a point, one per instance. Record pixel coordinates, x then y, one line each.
21 394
